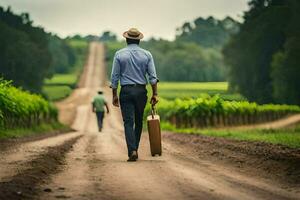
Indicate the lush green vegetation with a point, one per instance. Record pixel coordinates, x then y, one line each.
289 136
80 48
61 85
24 54
38 55
183 90
264 56
21 109
63 56
28 54
207 111
186 61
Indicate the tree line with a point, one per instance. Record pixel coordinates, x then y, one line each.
194 55
263 58
186 61
29 54
209 32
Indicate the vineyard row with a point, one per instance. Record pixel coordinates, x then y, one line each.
216 112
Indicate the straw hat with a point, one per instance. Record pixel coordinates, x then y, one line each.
134 34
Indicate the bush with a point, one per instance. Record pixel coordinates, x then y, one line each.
19 108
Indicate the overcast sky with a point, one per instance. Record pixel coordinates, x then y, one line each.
158 18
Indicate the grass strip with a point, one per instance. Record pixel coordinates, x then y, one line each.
288 136
35 130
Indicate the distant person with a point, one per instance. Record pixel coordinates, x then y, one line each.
130 66
98 107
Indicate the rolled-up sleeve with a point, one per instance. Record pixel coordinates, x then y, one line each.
115 73
151 70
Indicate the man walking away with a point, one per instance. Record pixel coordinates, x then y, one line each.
130 66
98 107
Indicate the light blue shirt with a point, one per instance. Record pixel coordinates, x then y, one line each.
130 66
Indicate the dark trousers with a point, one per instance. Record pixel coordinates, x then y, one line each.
100 116
133 100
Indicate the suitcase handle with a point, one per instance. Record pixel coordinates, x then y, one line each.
153 111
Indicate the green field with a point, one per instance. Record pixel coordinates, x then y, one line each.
289 136
64 79
60 86
78 44
172 90
56 92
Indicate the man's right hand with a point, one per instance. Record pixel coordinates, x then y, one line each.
154 100
115 101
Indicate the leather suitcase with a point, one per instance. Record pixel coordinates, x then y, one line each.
153 124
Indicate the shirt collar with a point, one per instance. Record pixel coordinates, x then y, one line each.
133 46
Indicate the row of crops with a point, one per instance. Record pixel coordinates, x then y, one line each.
22 109
213 111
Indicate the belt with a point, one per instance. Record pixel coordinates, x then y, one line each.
134 85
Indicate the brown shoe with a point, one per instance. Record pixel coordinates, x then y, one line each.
133 157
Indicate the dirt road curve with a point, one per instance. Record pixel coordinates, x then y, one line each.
86 164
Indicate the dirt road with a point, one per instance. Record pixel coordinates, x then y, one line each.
86 164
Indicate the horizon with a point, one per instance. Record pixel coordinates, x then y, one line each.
56 17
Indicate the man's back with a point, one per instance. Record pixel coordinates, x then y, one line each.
134 61
131 64
99 103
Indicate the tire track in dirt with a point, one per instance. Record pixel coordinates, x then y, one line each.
273 162
220 180
23 184
78 180
73 180
15 158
